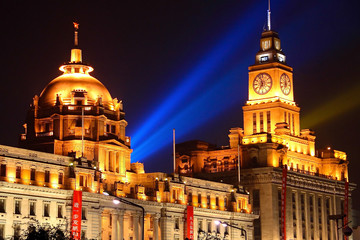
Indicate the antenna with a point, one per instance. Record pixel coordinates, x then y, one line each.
268 18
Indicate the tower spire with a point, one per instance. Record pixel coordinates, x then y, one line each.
76 28
76 51
268 18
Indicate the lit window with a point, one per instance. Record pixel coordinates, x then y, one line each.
264 58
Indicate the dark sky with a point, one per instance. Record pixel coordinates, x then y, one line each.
147 52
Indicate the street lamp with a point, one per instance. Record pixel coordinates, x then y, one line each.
118 200
225 224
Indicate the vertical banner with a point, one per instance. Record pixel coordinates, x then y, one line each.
346 205
76 215
283 203
190 222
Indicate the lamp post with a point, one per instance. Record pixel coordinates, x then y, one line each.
118 200
225 224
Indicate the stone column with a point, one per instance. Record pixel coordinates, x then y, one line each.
121 225
114 232
156 226
136 218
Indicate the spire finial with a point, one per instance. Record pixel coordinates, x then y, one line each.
76 27
268 18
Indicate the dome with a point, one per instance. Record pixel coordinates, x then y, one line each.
67 84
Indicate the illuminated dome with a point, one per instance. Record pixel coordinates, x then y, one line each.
76 86
66 85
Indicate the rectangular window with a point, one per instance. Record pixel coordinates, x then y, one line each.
2 205
177 223
285 117
3 170
268 123
113 129
261 122
32 174
83 214
293 124
199 198
209 226
217 201
61 178
254 123
110 220
225 203
208 200
200 225
46 209
17 207
190 198
81 181
32 208
60 211
18 172
47 176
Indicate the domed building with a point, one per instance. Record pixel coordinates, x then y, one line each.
76 115
82 164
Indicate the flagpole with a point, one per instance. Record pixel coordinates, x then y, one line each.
174 150
82 131
239 163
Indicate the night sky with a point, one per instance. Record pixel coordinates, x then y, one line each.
183 64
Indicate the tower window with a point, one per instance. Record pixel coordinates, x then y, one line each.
261 122
293 124
264 58
268 124
254 122
2 205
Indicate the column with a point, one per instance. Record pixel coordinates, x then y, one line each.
114 232
156 226
121 225
136 218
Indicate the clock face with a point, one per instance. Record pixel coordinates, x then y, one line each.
285 84
262 83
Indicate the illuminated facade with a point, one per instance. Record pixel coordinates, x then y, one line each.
270 139
75 140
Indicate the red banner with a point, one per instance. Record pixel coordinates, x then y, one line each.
76 215
283 203
346 205
190 222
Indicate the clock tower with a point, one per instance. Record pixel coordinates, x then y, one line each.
271 93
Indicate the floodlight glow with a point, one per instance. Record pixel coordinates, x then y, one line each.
148 139
116 201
